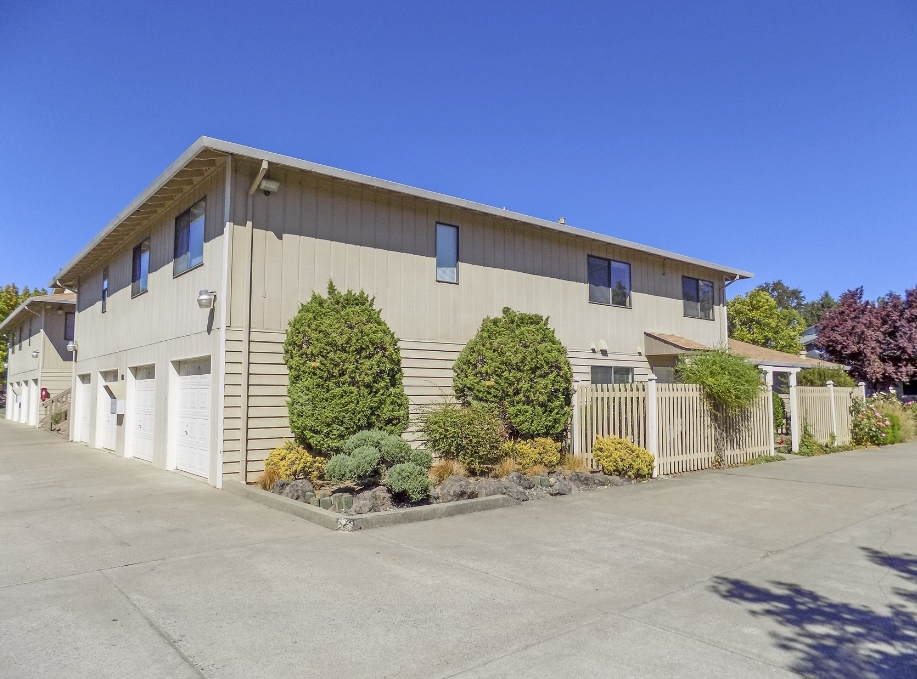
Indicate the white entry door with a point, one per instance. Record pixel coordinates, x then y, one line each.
84 403
143 409
194 416
24 400
108 421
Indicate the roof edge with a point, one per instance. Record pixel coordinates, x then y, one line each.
45 299
232 148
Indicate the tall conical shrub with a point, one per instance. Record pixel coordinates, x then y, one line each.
345 371
517 363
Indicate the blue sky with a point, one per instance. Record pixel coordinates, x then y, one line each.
777 137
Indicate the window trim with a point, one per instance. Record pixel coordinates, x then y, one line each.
176 274
148 241
698 281
106 282
613 368
458 255
630 287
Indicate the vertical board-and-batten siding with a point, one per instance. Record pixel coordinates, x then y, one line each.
316 229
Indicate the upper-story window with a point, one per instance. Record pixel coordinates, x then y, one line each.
104 289
609 281
189 238
69 326
611 374
140 268
446 253
698 297
29 338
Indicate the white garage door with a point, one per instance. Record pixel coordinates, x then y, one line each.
194 416
143 409
84 403
108 421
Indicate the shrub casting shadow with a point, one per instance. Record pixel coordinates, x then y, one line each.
835 639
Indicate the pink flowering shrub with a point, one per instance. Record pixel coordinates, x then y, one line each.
872 428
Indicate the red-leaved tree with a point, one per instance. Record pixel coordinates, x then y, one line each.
878 340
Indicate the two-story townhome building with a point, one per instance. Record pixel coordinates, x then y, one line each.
39 331
184 298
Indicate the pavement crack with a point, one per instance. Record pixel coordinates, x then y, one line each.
161 632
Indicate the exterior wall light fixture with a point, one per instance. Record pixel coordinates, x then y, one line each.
72 346
205 299
35 353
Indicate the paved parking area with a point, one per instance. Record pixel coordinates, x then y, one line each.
111 568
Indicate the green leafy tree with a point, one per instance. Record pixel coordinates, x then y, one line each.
757 319
785 296
10 298
345 371
516 363
813 311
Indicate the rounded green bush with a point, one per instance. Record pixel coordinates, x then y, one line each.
394 450
472 434
368 437
818 377
421 458
409 481
338 468
729 382
620 457
516 363
344 371
364 464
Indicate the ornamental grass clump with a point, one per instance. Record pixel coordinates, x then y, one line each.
730 383
516 363
620 457
344 371
292 461
471 434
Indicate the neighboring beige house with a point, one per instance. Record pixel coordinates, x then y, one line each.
249 235
39 330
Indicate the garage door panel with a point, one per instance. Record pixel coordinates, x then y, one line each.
194 417
144 412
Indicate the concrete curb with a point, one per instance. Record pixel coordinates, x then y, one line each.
335 521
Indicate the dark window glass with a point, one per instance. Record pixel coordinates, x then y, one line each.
607 374
104 290
29 337
609 281
189 238
140 270
69 325
446 253
698 298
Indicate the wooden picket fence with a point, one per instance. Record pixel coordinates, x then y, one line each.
826 412
688 435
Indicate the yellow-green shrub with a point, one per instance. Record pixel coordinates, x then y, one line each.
622 458
292 461
539 451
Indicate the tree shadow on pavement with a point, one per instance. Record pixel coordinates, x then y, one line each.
835 639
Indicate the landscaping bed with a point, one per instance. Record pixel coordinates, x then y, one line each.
352 500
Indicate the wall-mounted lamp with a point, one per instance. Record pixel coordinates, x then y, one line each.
72 346
205 298
269 186
35 353
60 309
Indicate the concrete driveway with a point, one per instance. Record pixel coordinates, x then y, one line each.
111 568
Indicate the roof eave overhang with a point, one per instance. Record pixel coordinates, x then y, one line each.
229 148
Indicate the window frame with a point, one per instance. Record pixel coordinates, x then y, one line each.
697 294
609 264
615 369
177 231
138 278
457 253
105 284
72 333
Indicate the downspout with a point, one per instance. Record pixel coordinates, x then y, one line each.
73 354
724 331
41 359
247 325
224 322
